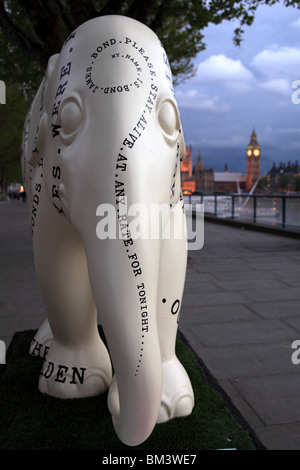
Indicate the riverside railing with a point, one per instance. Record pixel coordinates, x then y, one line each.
267 209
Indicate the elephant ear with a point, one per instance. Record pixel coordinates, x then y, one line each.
37 118
170 124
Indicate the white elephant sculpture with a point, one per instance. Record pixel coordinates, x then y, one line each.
102 139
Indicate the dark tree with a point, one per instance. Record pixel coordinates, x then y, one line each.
32 30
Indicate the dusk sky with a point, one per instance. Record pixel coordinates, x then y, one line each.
238 88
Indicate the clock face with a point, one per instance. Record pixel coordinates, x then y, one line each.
249 153
256 152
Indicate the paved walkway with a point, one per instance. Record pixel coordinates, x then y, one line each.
241 313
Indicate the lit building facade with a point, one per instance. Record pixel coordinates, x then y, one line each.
284 177
188 183
202 179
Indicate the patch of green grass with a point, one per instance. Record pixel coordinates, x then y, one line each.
30 420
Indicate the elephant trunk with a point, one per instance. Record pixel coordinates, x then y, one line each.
124 280
139 401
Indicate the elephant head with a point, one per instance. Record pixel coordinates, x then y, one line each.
102 143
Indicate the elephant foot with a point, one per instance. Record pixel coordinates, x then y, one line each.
42 340
177 393
76 373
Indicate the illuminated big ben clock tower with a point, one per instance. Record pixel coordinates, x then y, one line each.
253 161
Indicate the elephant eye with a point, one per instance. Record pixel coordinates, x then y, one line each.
168 119
70 118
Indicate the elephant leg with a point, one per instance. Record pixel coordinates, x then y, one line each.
42 340
77 363
177 392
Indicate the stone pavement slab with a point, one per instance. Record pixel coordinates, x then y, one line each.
243 330
20 303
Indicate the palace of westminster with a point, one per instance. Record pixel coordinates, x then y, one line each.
200 179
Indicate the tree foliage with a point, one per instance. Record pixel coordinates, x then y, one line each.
32 30
262 183
12 116
284 182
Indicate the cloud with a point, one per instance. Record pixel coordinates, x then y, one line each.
228 141
281 86
218 78
222 69
194 100
277 62
288 130
296 23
